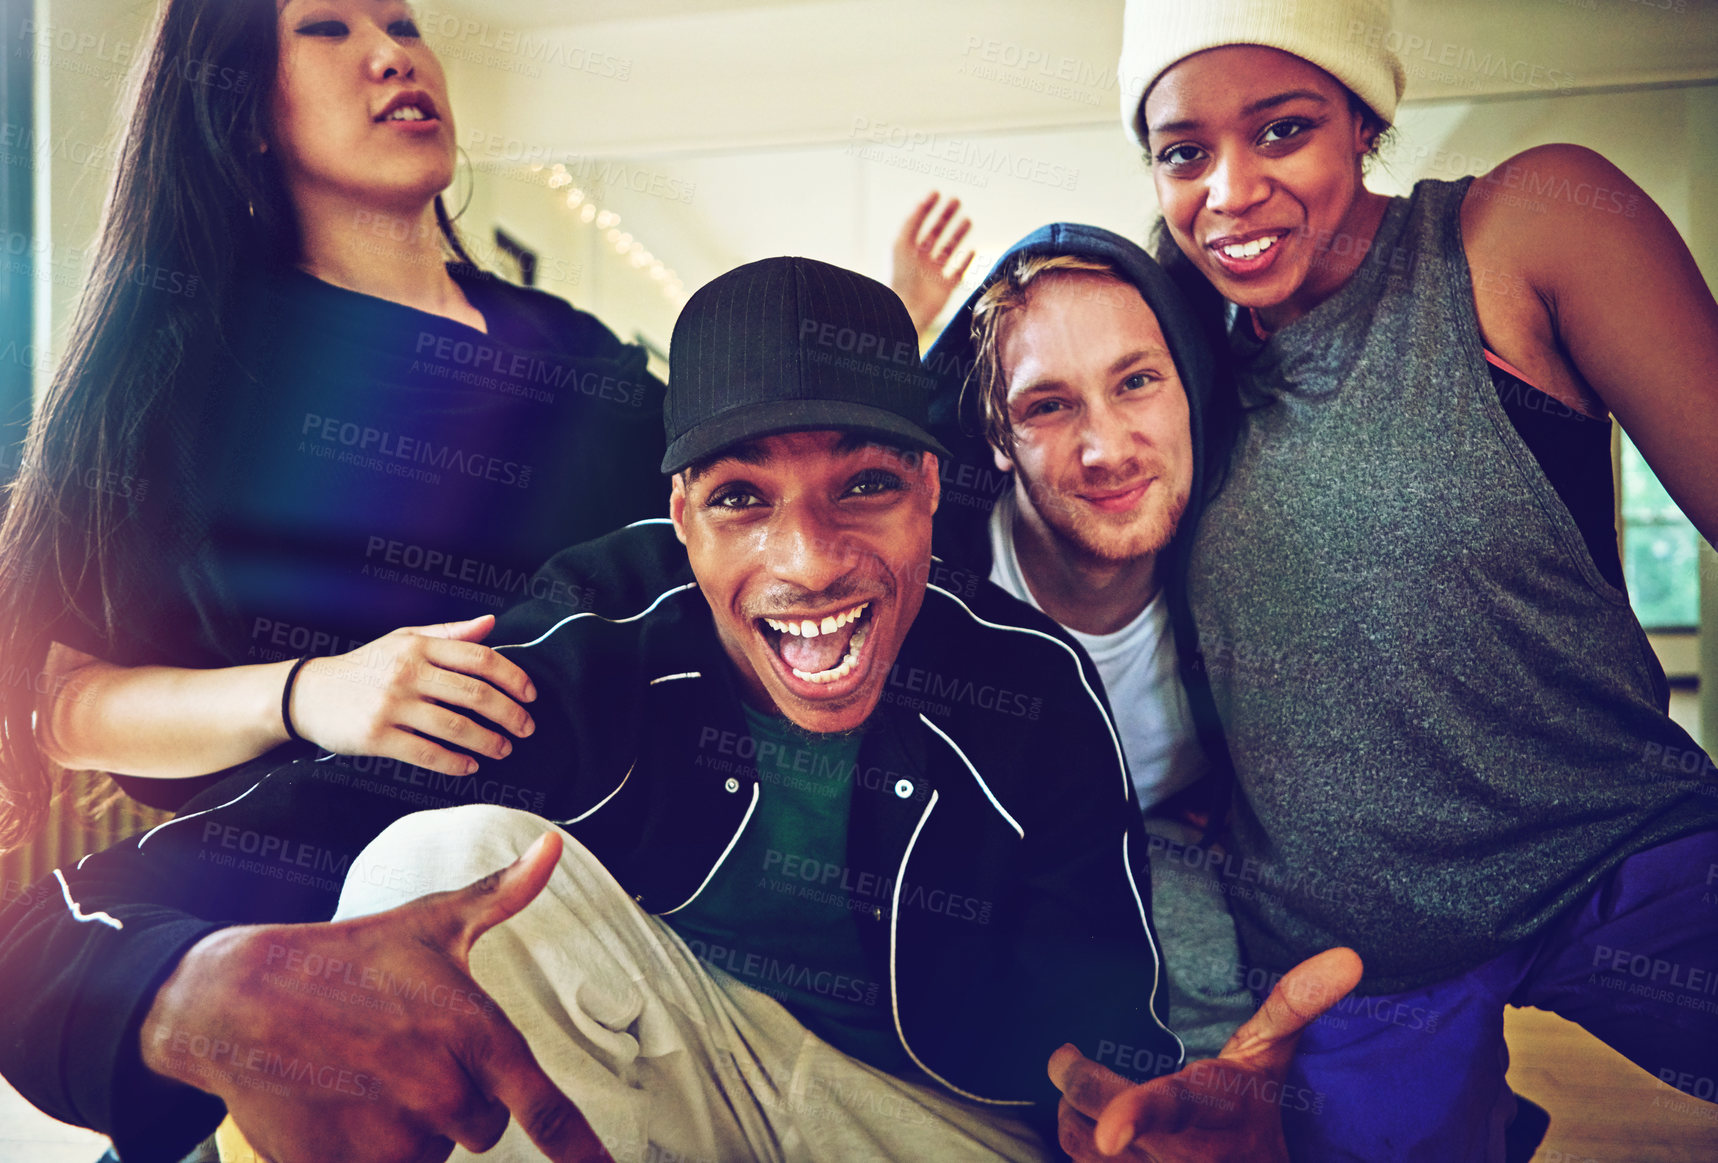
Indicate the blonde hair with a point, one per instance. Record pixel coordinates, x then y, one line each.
1011 291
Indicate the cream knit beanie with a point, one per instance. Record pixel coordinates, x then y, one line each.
1348 39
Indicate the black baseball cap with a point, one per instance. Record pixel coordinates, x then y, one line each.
793 345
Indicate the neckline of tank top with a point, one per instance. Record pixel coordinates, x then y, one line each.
1384 240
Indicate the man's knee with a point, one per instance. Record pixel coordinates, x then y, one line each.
437 850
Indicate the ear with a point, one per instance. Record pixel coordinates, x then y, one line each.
1003 464
677 505
929 463
1364 138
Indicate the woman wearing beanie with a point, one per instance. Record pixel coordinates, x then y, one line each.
1447 727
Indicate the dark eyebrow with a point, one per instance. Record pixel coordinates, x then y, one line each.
1256 107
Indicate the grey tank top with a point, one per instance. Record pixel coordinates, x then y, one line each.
1446 724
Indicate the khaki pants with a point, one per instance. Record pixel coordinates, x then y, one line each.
668 1058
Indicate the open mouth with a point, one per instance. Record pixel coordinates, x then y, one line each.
409 107
1251 249
1248 256
820 650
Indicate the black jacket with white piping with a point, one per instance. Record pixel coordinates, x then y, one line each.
991 785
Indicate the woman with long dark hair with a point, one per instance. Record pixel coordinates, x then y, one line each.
1448 730
290 440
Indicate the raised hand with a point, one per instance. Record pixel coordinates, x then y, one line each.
402 695
921 275
366 1040
1227 1108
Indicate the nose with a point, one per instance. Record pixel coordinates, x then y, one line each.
806 548
1106 440
387 58
1236 183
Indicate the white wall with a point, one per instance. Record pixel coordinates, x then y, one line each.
721 131
83 53
811 127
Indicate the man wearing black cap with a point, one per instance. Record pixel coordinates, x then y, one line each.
786 920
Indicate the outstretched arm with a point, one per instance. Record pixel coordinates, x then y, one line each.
309 1075
406 696
921 274
1224 1108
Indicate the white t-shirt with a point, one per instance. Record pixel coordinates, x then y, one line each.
1138 666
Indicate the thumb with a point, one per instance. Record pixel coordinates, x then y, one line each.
1267 1041
471 630
456 919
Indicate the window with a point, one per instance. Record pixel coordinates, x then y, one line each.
17 272
1660 550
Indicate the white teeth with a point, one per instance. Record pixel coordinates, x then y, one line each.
1251 249
407 113
846 666
810 629
829 625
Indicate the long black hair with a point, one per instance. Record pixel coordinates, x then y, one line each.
196 200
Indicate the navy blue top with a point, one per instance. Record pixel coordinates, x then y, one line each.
354 465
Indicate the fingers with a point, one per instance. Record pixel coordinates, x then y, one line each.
411 748
1158 1107
471 630
1267 1041
506 1068
480 1125
498 1058
549 1117
406 694
449 677
946 251
1074 1132
1085 1085
435 724
965 264
455 920
915 223
928 243
478 661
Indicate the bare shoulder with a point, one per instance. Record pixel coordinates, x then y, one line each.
1551 193
1547 233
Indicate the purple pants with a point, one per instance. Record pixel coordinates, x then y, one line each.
1419 1076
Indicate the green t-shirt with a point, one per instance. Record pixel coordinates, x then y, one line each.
784 912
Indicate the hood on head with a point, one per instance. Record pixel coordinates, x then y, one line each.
971 482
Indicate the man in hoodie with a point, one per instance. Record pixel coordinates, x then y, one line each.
1074 389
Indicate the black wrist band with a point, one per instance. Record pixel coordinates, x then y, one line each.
292 734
